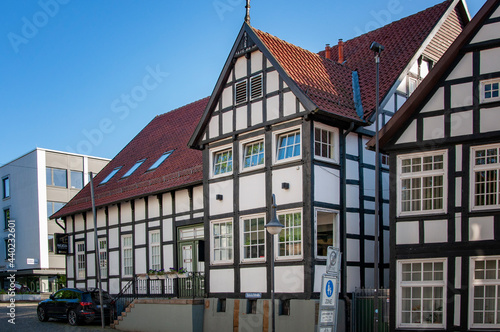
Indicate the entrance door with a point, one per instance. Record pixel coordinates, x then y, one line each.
187 256
190 245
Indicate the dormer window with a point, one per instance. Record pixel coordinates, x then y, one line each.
110 175
160 160
133 168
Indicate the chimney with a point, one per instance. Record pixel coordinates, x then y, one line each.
327 51
341 51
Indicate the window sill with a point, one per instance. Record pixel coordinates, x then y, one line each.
421 213
287 160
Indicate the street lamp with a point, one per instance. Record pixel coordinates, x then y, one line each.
273 227
377 49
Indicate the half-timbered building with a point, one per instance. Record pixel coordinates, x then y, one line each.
444 147
281 120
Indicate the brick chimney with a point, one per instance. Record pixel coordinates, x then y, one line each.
328 54
341 51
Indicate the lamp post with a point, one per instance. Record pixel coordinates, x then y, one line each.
377 49
273 227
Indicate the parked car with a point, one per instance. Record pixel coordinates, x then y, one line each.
76 305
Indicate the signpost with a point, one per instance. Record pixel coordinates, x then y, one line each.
329 297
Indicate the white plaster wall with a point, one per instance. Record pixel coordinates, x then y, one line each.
114 263
389 106
241 118
168 256
222 281
463 68
227 122
435 231
368 155
167 204
289 279
481 228
461 123
181 201
227 97
461 95
273 108
113 241
256 110
272 81
326 185
369 224
198 198
319 270
90 265
489 119
167 229
153 207
436 103
69 267
140 260
369 250
352 193
225 188
213 127
140 209
353 278
352 223
256 61
433 127
351 142
114 286
126 212
409 135
407 232
101 218
79 223
289 102
293 176
487 32
240 67
253 279
113 215
369 182
90 241
352 170
140 234
252 191
352 254
90 220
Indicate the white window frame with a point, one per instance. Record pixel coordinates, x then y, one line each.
336 237
103 256
276 136
213 153
243 145
485 167
431 283
127 248
334 145
212 242
277 239
483 86
483 282
154 250
242 237
421 174
80 259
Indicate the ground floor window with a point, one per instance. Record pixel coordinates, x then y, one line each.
290 238
80 259
127 254
222 245
485 292
103 257
421 293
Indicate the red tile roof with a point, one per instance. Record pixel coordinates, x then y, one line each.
170 131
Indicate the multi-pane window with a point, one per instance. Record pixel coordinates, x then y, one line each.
422 182
290 237
326 232
53 207
154 242
160 160
490 90
76 179
110 175
6 218
6 187
223 162
485 292
127 254
254 238
254 154
421 288
485 168
324 143
222 235
80 259
57 177
50 240
103 257
288 145
133 168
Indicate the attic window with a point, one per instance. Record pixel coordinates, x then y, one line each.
256 86
241 92
110 175
133 168
161 159
490 90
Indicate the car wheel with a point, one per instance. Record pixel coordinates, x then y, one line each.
42 315
73 318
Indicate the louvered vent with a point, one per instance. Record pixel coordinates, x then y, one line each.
256 86
241 92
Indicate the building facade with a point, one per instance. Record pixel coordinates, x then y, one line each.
444 150
35 186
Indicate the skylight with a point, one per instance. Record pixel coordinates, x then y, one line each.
133 168
161 159
110 175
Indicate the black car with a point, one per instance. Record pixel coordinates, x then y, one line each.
75 305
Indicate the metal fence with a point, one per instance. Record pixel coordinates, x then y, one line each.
363 310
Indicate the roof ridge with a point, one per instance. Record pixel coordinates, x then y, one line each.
182 107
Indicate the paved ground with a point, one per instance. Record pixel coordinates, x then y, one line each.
26 320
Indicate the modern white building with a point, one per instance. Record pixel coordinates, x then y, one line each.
34 186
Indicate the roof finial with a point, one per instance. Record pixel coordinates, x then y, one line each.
247 17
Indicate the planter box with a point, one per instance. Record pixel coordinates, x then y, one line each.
152 276
171 275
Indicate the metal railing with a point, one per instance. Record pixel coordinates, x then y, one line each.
363 310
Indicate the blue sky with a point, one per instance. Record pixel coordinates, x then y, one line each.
87 76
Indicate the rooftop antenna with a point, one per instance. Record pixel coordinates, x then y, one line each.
247 16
